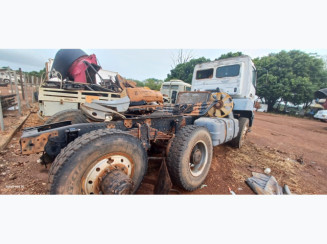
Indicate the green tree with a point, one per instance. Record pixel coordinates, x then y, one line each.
37 73
291 76
153 84
185 70
230 55
138 83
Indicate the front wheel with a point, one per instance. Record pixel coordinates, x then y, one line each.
189 157
238 141
100 162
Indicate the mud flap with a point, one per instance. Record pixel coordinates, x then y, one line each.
163 184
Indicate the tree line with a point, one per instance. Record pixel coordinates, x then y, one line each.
289 77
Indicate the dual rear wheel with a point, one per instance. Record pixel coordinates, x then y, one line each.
110 161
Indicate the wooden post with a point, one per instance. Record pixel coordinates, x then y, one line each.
26 88
18 96
21 83
12 90
32 84
1 118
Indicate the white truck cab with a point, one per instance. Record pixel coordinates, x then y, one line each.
170 89
235 76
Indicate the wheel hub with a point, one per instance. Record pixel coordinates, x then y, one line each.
199 158
97 178
116 182
219 104
197 155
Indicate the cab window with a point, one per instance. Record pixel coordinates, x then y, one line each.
204 74
254 77
228 71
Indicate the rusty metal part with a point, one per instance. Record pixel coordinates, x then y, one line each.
36 144
128 123
139 130
123 83
164 183
145 108
193 97
223 107
116 182
98 112
92 179
111 126
196 109
169 144
138 94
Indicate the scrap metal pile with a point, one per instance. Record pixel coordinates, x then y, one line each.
7 101
75 77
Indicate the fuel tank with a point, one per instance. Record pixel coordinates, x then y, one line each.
221 129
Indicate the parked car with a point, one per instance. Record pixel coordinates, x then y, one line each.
321 115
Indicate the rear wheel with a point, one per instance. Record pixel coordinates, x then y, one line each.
100 162
189 157
323 120
243 130
74 115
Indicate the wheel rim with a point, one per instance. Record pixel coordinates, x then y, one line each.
93 176
198 158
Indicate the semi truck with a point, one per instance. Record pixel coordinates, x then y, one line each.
109 153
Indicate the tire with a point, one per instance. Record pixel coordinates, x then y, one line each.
68 173
189 141
238 141
74 115
323 120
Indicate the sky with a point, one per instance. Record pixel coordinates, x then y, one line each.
138 64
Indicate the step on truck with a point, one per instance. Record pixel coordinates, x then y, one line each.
110 156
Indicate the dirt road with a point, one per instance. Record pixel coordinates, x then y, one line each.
294 149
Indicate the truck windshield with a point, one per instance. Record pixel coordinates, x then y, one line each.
228 71
173 87
204 74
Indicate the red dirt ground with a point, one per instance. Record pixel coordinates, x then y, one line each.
295 149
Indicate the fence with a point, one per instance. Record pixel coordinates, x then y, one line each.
22 87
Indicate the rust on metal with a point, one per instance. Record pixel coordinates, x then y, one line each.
183 122
36 144
139 130
89 98
111 126
169 143
193 97
223 107
116 182
128 123
138 94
